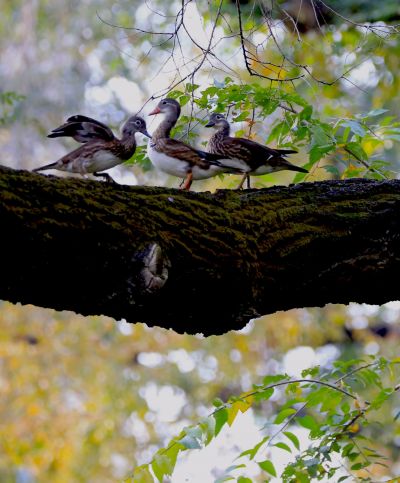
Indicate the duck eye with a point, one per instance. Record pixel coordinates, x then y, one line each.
137 123
163 102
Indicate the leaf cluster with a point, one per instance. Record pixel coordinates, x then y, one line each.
338 147
327 404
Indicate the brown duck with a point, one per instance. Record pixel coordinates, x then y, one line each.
249 157
101 150
176 157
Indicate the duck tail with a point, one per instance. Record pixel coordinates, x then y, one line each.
47 166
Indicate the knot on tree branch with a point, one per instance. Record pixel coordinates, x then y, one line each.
155 268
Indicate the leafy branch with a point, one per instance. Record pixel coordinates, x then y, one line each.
343 147
334 430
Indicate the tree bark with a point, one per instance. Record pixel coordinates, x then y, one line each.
196 262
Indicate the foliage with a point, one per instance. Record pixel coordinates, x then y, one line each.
87 398
328 404
9 102
343 147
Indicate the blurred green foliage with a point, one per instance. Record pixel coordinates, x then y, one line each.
88 399
9 102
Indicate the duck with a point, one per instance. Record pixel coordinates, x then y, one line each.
101 150
250 157
177 158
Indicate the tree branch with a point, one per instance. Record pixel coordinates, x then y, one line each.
196 262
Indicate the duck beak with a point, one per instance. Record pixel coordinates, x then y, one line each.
146 133
155 111
210 124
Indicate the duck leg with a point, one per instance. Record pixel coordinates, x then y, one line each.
106 177
245 176
188 182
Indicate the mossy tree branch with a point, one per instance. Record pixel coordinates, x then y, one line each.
196 262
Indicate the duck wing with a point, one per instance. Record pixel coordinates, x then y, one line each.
83 129
184 152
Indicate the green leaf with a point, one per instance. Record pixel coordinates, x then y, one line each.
332 170
189 442
234 408
194 431
373 113
221 417
308 422
217 402
283 415
311 371
243 479
317 152
264 395
319 137
276 378
306 113
278 131
353 456
162 465
191 87
345 407
381 398
142 475
295 98
345 134
253 451
354 126
184 99
283 446
347 449
207 426
241 117
356 150
293 438
331 400
268 467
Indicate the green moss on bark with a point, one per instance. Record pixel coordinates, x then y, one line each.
81 245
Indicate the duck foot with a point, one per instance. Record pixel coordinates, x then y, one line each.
106 176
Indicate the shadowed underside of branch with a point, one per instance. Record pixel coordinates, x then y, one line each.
196 262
